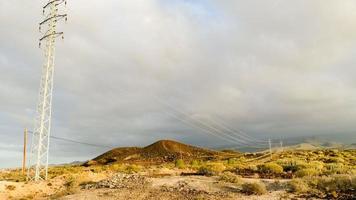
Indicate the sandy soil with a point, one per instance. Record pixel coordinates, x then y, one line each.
208 188
163 188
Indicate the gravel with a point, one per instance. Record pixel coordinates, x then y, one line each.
120 181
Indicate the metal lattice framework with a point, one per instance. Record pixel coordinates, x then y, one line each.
38 163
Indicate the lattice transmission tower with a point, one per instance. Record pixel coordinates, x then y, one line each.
38 162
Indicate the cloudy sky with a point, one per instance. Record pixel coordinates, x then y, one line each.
131 72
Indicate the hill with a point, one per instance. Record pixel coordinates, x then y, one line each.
158 152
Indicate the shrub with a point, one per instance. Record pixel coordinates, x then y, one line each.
288 165
230 178
335 160
336 168
240 167
195 164
231 161
217 167
256 188
180 164
316 165
211 169
332 186
342 183
272 168
205 171
306 172
298 186
13 175
71 186
117 167
130 169
70 182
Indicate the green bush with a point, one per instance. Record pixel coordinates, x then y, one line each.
307 172
180 164
272 168
231 161
195 164
298 186
256 188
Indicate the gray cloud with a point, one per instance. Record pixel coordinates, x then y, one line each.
278 68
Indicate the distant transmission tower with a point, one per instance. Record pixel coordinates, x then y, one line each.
38 163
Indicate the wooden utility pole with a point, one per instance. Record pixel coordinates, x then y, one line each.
270 147
24 151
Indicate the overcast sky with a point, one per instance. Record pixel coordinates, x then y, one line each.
270 68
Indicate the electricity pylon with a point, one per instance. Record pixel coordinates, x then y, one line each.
38 168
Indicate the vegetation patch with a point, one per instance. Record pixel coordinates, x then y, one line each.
298 186
270 168
255 188
230 178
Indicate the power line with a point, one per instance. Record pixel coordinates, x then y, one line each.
75 141
242 133
239 133
78 142
234 133
206 127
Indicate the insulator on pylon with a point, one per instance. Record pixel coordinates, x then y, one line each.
62 37
39 28
66 19
39 45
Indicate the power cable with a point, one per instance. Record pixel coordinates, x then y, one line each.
77 142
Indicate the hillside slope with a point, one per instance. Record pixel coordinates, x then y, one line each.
158 152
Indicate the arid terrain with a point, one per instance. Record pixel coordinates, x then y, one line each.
171 170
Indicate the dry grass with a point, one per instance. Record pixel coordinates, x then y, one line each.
256 188
298 186
230 178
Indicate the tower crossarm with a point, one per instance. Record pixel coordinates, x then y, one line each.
56 2
57 17
51 34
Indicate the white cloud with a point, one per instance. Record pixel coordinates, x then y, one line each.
281 68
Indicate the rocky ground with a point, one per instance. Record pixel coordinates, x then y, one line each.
121 186
136 187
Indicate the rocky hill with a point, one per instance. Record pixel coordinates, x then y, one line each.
158 152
